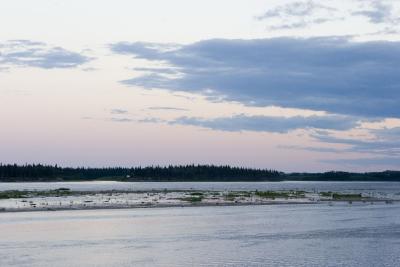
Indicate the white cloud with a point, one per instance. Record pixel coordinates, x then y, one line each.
28 53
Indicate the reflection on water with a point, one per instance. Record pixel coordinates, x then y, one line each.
373 189
219 186
284 235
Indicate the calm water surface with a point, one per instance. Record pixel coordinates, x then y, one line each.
392 187
280 235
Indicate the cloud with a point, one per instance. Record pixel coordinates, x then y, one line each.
385 161
118 111
297 8
384 146
27 53
300 24
385 142
152 120
388 133
121 119
378 12
145 49
328 73
157 70
270 123
89 69
302 14
313 149
298 14
167 108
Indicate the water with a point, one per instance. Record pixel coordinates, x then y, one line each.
373 189
280 235
393 187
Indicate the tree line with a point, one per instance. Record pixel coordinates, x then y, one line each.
39 172
35 172
345 176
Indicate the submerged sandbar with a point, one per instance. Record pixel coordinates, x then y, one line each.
65 199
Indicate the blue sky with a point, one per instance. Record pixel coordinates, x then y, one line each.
290 85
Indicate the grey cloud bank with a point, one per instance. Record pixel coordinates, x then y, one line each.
36 54
386 142
269 123
328 73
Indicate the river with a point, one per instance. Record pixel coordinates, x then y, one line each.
276 235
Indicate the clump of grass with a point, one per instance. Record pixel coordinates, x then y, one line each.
52 193
192 199
244 194
231 196
338 196
63 189
298 193
341 196
326 194
12 194
26 194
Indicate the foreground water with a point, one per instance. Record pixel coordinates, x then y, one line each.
283 235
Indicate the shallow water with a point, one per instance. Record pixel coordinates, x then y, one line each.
373 189
282 235
391 187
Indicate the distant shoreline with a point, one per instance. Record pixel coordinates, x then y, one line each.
178 173
190 181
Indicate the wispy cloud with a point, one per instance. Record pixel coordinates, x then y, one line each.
312 149
118 111
298 14
36 54
367 162
152 120
167 108
300 23
121 120
88 69
378 12
386 142
305 13
297 8
328 73
270 123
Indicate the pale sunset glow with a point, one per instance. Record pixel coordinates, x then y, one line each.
286 85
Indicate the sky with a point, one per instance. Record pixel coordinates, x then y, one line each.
291 85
